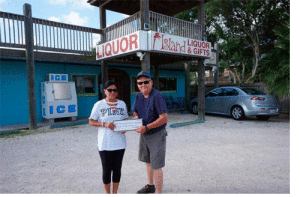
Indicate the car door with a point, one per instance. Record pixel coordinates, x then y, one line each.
229 99
212 101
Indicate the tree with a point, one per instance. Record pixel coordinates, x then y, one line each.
275 68
249 20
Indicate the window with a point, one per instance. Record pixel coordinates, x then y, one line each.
85 84
213 93
230 92
252 91
165 84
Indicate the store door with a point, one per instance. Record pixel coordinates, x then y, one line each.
123 83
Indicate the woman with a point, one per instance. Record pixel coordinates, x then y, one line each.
111 144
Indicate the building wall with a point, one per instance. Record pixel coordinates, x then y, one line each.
14 96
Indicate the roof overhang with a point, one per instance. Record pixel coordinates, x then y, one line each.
129 7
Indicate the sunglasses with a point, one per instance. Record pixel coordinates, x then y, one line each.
145 82
110 90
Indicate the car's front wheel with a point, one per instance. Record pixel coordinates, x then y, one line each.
237 113
195 108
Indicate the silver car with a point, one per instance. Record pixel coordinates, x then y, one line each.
239 102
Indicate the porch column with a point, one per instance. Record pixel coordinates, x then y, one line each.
201 68
144 7
187 85
30 66
201 90
104 72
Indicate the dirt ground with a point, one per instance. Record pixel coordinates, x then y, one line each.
219 156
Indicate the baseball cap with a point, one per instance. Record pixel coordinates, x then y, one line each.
143 74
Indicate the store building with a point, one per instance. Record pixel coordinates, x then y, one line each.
146 40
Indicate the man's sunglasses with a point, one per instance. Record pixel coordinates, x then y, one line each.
145 82
110 90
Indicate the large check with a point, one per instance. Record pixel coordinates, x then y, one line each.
127 125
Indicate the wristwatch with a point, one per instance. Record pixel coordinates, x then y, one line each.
147 129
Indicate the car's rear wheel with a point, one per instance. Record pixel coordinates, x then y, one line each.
261 117
237 113
195 108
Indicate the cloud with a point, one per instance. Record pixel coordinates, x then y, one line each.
77 4
75 19
53 18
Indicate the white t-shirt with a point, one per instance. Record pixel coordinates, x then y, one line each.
108 139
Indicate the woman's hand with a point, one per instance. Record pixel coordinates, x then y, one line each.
110 125
135 115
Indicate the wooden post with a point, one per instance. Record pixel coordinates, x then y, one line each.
201 90
30 68
201 68
187 85
216 76
104 71
144 7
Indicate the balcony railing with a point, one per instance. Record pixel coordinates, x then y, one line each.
158 22
48 35
66 38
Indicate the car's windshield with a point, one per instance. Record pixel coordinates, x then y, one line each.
252 91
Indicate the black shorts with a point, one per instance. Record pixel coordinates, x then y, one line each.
152 148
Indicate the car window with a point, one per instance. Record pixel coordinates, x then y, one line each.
214 93
252 91
230 92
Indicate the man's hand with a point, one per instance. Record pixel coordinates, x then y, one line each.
141 129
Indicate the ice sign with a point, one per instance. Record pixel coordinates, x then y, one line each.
58 77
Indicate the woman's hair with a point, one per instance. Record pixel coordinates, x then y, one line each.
109 83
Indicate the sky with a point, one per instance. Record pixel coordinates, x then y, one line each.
76 12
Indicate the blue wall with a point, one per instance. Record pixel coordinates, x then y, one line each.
13 87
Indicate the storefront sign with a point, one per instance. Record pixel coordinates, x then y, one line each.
153 41
119 46
176 44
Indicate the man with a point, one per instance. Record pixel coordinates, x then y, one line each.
151 107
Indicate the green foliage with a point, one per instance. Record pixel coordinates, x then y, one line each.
246 31
275 68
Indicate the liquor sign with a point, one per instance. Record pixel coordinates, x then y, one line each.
120 46
176 44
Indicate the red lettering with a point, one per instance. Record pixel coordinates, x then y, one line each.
133 41
196 51
162 41
108 52
118 47
98 52
207 45
124 48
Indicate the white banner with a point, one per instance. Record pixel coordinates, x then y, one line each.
180 45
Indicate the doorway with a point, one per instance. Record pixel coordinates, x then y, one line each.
123 84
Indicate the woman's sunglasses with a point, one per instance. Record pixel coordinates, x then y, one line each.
110 90
145 82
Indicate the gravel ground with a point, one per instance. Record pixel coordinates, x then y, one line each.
218 156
